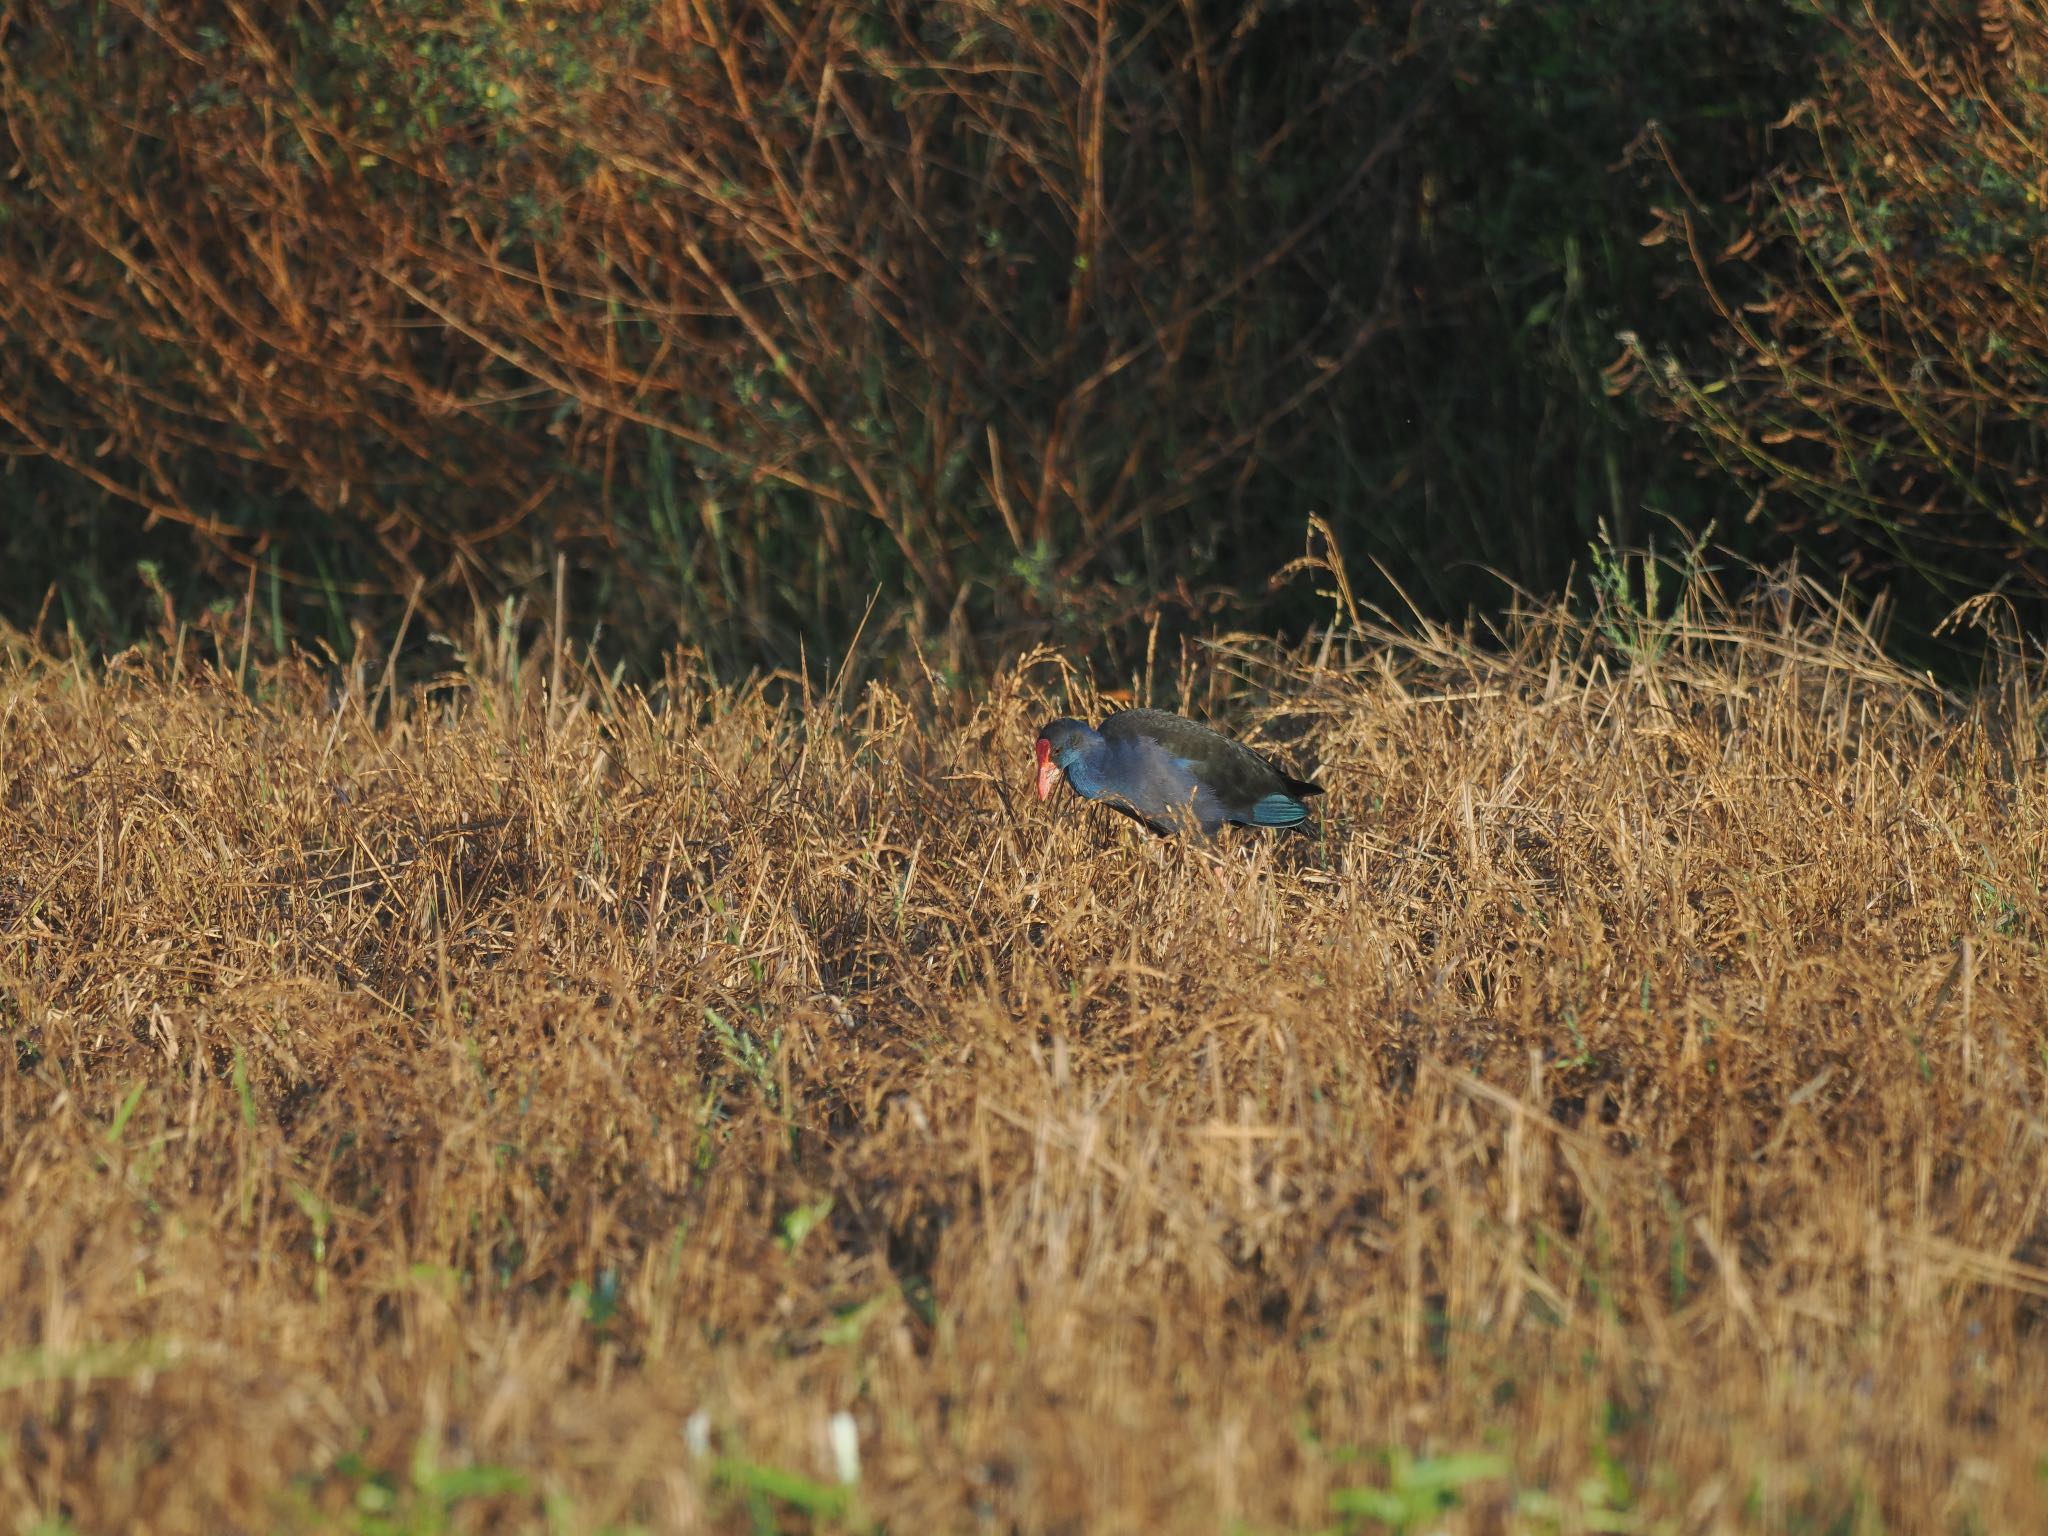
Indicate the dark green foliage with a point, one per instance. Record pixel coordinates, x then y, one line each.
1536 188
1876 385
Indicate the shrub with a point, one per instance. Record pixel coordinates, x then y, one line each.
1878 386
755 317
1010 318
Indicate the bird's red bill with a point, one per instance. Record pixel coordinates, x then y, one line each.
1048 770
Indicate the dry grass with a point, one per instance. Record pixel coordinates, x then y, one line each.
468 1115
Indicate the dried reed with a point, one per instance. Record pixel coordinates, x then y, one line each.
714 1109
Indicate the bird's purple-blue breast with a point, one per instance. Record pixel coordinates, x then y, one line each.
1143 775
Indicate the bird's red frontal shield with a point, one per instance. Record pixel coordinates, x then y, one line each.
1048 770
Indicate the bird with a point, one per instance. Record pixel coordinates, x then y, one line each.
1170 773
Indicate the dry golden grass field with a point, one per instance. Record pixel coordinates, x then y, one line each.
518 1103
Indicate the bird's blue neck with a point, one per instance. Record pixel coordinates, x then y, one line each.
1081 762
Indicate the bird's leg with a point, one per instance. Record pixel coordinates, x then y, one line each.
1212 861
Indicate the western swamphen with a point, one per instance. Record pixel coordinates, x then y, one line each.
1170 773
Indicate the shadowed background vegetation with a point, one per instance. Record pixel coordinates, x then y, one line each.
1033 320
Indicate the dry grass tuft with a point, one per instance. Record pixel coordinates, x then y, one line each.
481 1113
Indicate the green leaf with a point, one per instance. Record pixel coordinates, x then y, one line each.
790 1487
1373 1503
798 1224
1455 1471
241 1076
472 1483
127 1108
